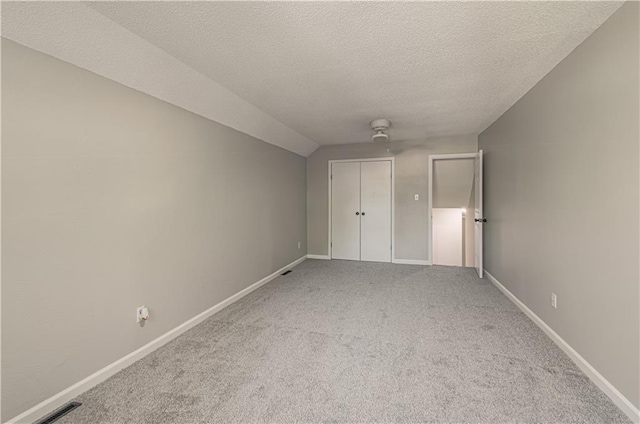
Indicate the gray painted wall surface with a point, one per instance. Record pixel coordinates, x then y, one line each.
470 229
411 165
113 199
452 182
561 186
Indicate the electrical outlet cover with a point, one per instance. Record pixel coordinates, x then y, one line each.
139 313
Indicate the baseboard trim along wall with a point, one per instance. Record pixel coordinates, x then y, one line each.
395 261
323 257
603 384
94 379
411 262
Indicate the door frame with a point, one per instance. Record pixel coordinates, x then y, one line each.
432 158
393 199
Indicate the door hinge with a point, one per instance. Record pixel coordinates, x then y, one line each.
331 244
332 176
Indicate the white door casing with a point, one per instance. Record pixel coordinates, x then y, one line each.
375 209
345 203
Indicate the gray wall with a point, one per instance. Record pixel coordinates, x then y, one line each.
470 230
561 198
113 199
411 178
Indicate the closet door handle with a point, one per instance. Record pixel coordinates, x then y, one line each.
357 213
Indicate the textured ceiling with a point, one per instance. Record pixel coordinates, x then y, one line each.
452 182
325 69
299 74
78 34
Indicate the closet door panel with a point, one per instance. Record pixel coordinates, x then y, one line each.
345 203
375 206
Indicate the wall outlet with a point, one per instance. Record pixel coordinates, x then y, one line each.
416 197
554 300
299 244
142 313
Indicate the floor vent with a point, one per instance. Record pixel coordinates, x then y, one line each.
286 272
59 413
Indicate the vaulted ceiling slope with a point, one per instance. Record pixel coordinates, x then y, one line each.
318 72
76 33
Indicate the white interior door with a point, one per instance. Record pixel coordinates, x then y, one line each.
345 210
375 207
478 214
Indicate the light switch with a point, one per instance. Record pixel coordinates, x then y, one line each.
416 197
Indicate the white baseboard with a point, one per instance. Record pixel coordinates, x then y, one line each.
603 384
395 261
47 406
411 262
323 257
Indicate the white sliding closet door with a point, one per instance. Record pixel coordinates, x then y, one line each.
345 210
375 209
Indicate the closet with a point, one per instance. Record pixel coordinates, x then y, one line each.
361 210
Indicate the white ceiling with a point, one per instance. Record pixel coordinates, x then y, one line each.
452 182
78 34
299 74
326 69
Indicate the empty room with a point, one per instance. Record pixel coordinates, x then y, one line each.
310 212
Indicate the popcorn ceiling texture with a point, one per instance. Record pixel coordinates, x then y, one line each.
328 68
323 69
77 34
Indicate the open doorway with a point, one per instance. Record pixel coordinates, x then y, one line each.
454 208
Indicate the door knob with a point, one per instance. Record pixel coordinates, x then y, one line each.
357 213
480 220
362 213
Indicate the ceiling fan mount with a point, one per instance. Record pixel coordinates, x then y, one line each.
380 126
